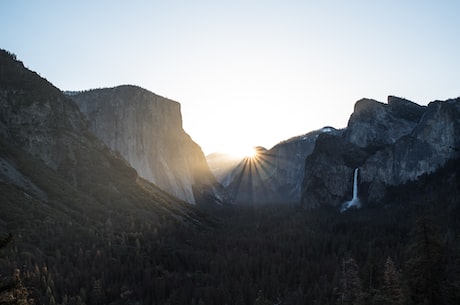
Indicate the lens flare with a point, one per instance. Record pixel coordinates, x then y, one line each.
251 181
248 152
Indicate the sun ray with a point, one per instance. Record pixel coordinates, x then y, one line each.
253 177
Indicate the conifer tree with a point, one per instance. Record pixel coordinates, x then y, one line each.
392 285
261 299
350 283
424 266
12 292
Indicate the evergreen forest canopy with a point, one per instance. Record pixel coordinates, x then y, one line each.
406 252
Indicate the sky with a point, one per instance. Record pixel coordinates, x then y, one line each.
246 73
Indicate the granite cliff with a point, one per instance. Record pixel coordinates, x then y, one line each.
53 165
390 143
146 129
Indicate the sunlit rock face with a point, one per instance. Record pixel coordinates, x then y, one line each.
274 175
146 129
390 143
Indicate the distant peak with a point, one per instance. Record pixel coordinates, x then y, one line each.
365 105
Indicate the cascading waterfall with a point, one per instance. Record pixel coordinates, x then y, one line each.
355 184
354 202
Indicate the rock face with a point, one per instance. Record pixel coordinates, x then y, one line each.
389 122
391 144
146 129
275 175
36 117
52 163
329 171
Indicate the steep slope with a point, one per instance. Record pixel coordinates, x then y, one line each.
329 171
391 144
221 165
146 129
275 175
50 158
388 122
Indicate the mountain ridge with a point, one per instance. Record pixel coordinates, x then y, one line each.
271 176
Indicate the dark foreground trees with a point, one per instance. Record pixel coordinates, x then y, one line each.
400 253
254 255
12 291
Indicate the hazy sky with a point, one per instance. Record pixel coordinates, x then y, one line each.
247 72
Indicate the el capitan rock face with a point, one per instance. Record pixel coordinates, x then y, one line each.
391 144
51 161
146 129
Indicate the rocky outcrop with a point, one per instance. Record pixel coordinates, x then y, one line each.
53 164
146 129
36 117
391 144
275 175
329 171
374 124
434 140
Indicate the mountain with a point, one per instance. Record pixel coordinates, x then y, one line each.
221 165
86 228
391 144
272 176
53 166
146 129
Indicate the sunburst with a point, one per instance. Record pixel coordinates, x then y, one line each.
251 182
245 152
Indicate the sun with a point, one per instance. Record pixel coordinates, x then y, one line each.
245 152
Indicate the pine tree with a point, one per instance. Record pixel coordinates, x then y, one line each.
350 284
12 292
261 299
424 266
97 293
392 285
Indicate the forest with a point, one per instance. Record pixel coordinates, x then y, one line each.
403 251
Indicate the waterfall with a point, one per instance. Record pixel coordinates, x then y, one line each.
355 184
354 202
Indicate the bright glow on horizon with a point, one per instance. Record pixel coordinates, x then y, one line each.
244 152
247 73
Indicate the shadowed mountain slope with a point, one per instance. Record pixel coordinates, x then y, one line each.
50 158
391 144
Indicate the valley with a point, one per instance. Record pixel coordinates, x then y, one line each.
109 201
